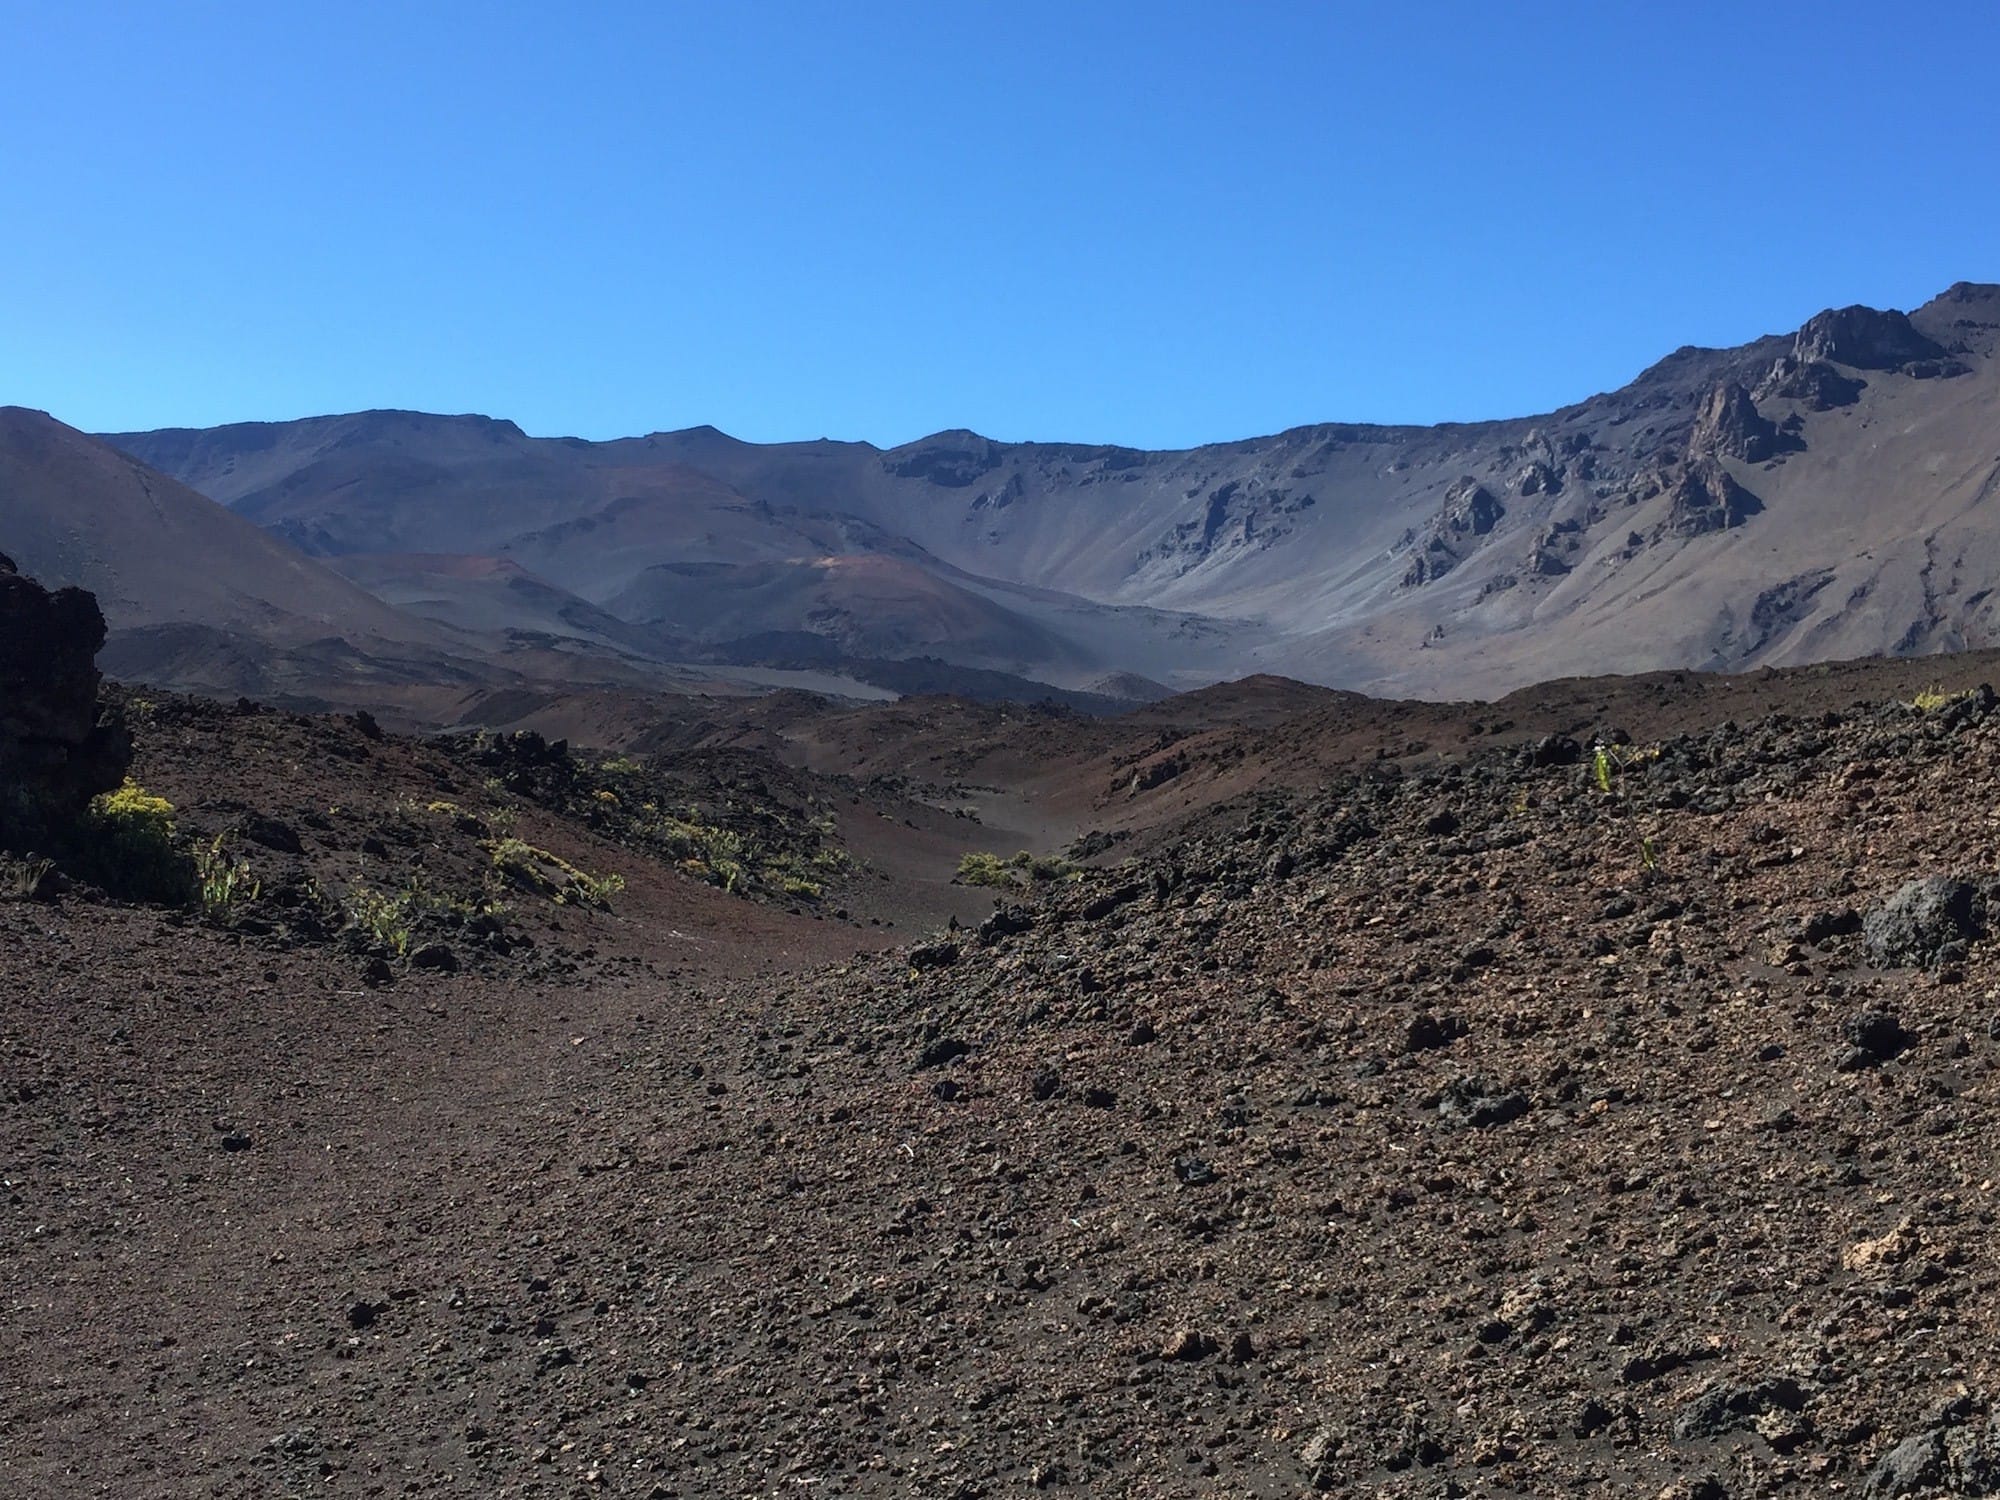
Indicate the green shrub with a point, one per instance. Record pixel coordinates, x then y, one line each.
979 868
128 846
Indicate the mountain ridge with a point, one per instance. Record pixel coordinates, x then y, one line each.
1459 559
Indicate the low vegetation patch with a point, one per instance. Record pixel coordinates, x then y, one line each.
552 876
222 881
1023 869
1931 699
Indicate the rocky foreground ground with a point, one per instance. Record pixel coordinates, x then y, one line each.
1537 1122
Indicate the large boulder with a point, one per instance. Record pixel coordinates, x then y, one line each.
56 750
1926 923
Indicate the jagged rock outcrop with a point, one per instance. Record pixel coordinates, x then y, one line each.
1705 497
56 753
1863 338
952 459
1815 384
1539 479
1470 511
1729 423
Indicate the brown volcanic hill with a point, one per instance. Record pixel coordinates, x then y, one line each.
1800 497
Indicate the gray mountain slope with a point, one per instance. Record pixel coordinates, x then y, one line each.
1818 494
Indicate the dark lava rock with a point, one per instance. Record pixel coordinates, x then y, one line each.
1099 907
1472 1102
271 833
1872 1037
1008 921
1914 1465
1427 1031
1814 383
435 956
1721 1407
1188 1344
56 753
1706 497
1927 923
933 956
361 1315
1442 822
942 1050
1552 750
1592 1417
1193 1171
1821 925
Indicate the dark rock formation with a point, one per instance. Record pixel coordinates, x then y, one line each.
1539 479
1706 498
1926 923
56 753
1864 339
955 459
1469 511
1815 384
1729 425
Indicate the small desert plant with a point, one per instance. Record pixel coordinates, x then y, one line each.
383 916
1933 698
1608 763
25 879
222 880
1602 768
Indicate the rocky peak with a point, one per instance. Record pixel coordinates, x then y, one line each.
954 459
1863 338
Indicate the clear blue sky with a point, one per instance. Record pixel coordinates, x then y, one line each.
1152 223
